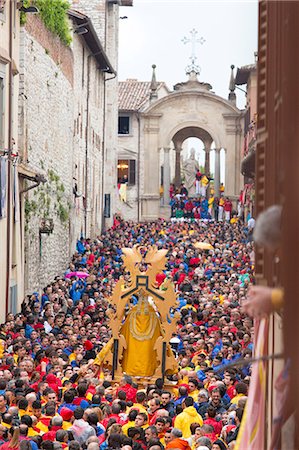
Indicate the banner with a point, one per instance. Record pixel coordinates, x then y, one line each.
252 430
3 187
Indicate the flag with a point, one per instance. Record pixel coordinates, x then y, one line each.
252 430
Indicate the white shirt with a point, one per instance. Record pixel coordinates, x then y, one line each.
251 223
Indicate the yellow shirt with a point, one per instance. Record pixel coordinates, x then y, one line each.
185 419
211 201
2 346
189 307
127 426
204 181
66 425
141 408
32 432
235 399
194 395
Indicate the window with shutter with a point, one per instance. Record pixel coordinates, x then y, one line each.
126 171
132 172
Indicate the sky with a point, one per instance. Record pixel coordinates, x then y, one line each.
153 33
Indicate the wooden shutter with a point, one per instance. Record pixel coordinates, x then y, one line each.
132 171
261 129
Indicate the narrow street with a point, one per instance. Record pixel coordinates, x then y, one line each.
148 224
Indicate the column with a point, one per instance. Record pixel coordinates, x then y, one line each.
217 172
166 177
177 177
207 160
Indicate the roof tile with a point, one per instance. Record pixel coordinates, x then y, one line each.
133 94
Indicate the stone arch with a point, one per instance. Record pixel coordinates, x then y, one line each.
197 113
194 125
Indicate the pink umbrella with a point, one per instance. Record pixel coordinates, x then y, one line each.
77 274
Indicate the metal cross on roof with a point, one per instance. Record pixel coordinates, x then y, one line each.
193 67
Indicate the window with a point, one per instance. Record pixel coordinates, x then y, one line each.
124 125
2 9
126 171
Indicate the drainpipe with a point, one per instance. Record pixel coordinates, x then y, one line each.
104 149
104 121
10 120
86 143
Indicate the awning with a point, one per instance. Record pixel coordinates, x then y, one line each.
248 165
243 73
28 174
92 40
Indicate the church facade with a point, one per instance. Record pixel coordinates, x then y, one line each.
154 124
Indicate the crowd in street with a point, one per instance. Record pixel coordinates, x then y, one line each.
51 398
201 206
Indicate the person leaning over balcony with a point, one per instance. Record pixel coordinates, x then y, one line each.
262 300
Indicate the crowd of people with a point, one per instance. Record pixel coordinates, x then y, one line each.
202 206
51 395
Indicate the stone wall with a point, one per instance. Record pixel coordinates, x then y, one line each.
62 130
128 210
87 143
105 19
48 126
60 53
128 149
96 11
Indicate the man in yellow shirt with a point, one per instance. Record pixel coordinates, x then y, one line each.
141 421
210 203
28 421
204 184
193 388
241 389
131 421
187 417
221 208
140 404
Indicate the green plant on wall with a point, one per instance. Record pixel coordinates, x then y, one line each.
48 200
54 15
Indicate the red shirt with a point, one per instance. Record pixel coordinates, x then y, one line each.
216 425
228 206
231 391
130 391
160 277
189 206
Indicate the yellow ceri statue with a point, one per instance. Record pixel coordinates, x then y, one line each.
140 334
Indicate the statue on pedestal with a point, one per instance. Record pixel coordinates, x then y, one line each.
140 334
190 168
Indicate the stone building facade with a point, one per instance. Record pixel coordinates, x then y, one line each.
46 127
68 134
105 18
152 130
247 76
63 121
11 262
